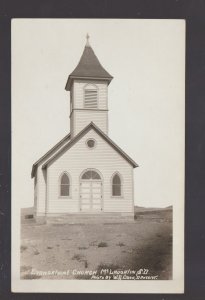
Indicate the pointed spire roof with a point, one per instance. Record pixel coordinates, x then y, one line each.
88 67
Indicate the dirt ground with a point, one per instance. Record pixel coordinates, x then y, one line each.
64 251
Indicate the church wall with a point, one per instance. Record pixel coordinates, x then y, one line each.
82 118
41 192
79 158
40 203
35 192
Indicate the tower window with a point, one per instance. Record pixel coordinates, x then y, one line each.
90 97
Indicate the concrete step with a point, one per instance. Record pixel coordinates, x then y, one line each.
89 219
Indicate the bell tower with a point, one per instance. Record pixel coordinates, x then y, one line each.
88 86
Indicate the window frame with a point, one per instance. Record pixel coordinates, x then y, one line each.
95 143
94 87
121 185
59 186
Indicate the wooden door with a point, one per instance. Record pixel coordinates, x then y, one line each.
91 196
96 193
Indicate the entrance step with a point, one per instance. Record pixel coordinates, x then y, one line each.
90 219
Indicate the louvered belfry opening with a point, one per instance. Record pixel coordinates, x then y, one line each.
90 98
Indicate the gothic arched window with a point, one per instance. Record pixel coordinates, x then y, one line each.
90 96
116 185
64 185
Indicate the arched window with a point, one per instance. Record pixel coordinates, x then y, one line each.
116 185
91 174
90 96
64 185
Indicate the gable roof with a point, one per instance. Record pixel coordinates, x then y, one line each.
52 150
88 67
102 134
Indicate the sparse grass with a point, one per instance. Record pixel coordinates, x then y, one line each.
141 239
31 276
26 268
108 266
93 243
82 248
23 248
102 244
85 263
77 257
120 244
28 216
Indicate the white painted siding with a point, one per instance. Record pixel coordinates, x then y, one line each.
35 192
78 158
72 121
40 206
41 192
78 93
82 118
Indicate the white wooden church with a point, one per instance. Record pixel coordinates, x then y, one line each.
85 174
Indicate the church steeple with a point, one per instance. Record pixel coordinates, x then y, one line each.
88 86
87 42
88 67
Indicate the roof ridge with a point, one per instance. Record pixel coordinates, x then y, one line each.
82 133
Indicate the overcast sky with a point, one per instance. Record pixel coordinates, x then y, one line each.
146 97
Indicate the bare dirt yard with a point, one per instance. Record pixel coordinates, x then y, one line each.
118 251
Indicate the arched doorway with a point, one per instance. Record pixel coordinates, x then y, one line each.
90 191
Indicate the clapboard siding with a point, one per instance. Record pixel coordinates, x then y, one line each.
78 93
35 192
79 158
41 183
72 121
41 191
82 118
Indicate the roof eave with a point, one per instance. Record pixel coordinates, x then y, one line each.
34 167
33 171
78 136
71 78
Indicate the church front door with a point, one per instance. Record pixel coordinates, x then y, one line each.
91 192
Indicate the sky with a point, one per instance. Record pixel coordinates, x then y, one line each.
146 98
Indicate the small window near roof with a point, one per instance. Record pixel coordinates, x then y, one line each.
64 185
90 143
116 185
90 97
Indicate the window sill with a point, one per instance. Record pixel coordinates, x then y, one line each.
118 197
